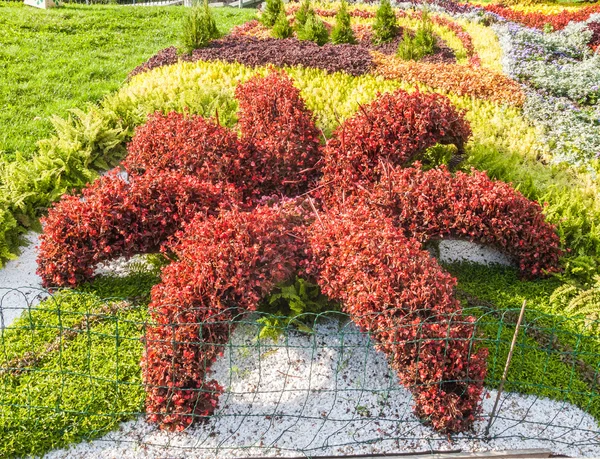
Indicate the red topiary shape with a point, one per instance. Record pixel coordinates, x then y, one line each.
189 144
438 204
226 266
284 139
400 295
393 129
233 240
115 217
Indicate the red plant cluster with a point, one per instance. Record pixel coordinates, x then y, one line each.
558 21
461 34
184 166
401 296
117 217
186 143
225 266
277 153
198 193
462 80
438 204
275 122
392 130
595 40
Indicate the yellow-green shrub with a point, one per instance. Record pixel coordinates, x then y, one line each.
485 43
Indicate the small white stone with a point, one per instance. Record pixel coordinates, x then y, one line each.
458 251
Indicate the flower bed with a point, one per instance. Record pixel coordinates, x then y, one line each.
233 260
251 51
345 168
558 21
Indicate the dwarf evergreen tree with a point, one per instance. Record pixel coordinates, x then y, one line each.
199 28
272 9
421 44
302 15
282 27
342 32
385 27
314 29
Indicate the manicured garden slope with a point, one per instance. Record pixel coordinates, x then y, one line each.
210 200
52 61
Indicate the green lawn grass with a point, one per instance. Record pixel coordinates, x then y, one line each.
58 59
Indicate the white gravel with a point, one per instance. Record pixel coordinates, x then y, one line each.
457 251
20 286
332 394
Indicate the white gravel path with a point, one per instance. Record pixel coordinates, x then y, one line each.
331 394
20 286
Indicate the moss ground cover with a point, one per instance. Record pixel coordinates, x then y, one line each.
70 368
55 60
538 367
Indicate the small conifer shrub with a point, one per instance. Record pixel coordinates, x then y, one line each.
302 15
282 27
199 28
271 12
314 30
385 27
421 44
342 32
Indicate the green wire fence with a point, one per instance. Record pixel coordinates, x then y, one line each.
70 371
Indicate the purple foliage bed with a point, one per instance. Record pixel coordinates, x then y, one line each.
355 60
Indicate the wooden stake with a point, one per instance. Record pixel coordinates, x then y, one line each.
510 354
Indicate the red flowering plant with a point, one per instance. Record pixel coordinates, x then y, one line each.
240 214
538 20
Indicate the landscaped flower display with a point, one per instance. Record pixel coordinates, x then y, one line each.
234 238
322 159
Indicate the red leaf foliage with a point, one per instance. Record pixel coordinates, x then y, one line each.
538 20
595 40
198 192
227 264
438 204
274 120
115 218
187 143
394 129
400 295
